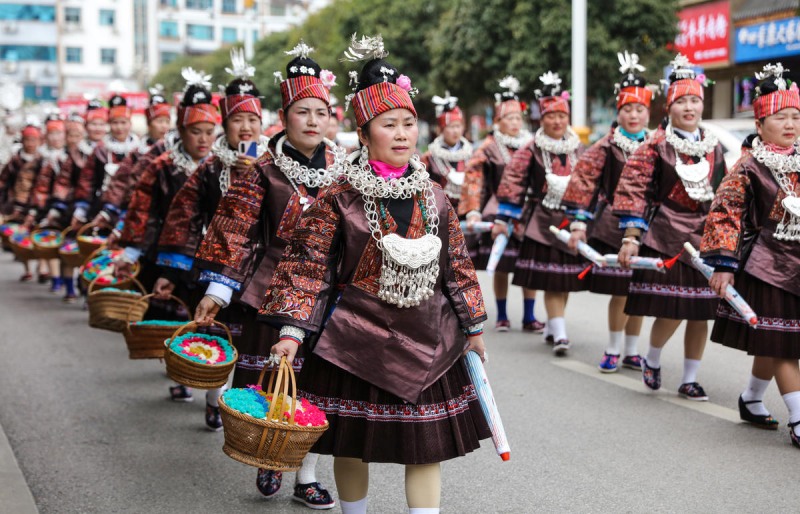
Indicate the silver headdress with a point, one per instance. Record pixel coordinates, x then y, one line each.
552 83
511 85
447 103
629 63
195 78
157 89
774 70
682 68
301 50
240 67
365 49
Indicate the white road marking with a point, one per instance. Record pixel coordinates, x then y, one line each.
636 385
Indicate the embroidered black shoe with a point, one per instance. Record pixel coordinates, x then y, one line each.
313 496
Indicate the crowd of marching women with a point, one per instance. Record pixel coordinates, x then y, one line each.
357 267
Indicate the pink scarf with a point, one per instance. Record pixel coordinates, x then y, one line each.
387 171
783 150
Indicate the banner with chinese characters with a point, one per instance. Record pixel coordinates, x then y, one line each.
703 33
763 41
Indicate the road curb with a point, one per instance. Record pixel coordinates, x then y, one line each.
15 496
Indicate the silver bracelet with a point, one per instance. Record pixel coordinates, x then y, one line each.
294 332
577 225
631 240
474 329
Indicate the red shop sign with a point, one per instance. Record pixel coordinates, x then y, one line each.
703 33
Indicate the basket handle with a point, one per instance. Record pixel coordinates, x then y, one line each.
84 228
132 279
147 296
66 231
281 384
193 324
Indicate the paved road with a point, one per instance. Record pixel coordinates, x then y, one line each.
94 432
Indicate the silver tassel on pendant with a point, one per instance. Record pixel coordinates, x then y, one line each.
410 269
789 227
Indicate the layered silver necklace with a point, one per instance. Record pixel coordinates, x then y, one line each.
181 160
556 184
409 267
693 176
504 142
121 147
86 147
309 177
54 157
626 144
781 166
28 157
228 156
444 156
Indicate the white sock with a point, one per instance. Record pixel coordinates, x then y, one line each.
630 346
614 342
755 391
690 368
558 328
212 396
307 474
356 507
654 357
792 401
423 510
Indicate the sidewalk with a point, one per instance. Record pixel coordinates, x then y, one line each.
14 493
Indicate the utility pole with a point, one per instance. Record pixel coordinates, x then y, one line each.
579 69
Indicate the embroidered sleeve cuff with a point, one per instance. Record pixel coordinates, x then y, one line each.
61 206
210 276
80 212
722 263
54 213
633 222
474 330
175 260
220 291
579 214
473 214
510 210
110 209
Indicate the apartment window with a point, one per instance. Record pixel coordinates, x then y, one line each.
27 53
74 54
168 29
199 4
168 57
107 17
276 9
229 6
204 32
169 3
27 12
255 36
108 56
229 35
72 14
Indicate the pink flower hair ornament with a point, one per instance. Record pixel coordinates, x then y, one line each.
328 78
565 95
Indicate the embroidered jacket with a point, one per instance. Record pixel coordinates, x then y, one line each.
482 177
149 204
524 182
16 184
739 231
651 196
41 199
252 225
94 179
64 183
331 270
120 186
591 188
449 175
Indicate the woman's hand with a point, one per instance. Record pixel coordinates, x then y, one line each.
720 280
477 345
29 221
206 311
244 162
123 269
575 236
163 288
75 223
287 347
472 219
101 221
499 227
627 251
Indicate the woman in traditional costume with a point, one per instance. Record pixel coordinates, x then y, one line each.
589 196
663 197
104 162
117 195
751 236
482 176
253 224
544 167
387 367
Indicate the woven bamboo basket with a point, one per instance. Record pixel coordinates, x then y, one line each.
22 253
86 246
265 443
109 309
69 259
85 283
6 238
147 341
196 374
49 250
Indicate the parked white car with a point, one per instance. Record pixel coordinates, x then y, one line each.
731 133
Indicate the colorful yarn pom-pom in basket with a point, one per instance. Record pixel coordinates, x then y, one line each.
145 339
6 231
112 308
22 246
200 360
101 264
68 252
91 242
46 243
277 442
